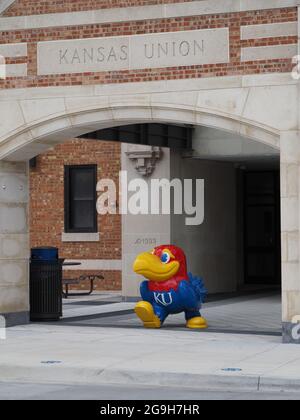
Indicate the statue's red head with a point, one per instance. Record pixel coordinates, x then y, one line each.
164 267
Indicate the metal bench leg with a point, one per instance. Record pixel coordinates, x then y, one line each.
91 287
66 293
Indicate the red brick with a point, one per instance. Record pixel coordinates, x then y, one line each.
47 205
231 20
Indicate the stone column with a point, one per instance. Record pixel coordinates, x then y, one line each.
14 243
290 229
142 232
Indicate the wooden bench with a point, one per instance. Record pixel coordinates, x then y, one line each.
70 282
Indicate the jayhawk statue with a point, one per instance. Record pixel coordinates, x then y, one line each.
169 289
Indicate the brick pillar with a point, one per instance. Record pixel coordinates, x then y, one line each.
290 228
14 298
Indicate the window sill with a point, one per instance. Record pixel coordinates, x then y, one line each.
80 237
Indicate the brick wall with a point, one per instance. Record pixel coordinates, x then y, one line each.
47 205
34 7
233 21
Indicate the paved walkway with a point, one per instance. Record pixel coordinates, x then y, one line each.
254 314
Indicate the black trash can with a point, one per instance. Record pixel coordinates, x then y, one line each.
45 284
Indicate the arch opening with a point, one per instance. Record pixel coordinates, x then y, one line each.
214 133
217 247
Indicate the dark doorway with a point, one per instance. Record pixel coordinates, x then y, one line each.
262 228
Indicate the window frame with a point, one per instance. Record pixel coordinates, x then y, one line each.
67 199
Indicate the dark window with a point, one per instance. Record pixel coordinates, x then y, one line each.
80 198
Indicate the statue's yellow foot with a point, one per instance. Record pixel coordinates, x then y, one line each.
145 312
197 322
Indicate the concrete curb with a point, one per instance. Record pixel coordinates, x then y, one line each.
89 375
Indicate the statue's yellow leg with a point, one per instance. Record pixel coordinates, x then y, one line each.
197 322
145 312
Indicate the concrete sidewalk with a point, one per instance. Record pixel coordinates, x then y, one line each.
166 357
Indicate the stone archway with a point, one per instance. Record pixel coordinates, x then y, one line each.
48 117
41 117
52 129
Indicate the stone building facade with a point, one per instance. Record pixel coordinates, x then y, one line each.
75 67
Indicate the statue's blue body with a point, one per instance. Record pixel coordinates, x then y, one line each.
188 298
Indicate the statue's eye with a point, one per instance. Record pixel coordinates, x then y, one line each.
165 258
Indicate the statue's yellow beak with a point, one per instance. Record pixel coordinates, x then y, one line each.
151 267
